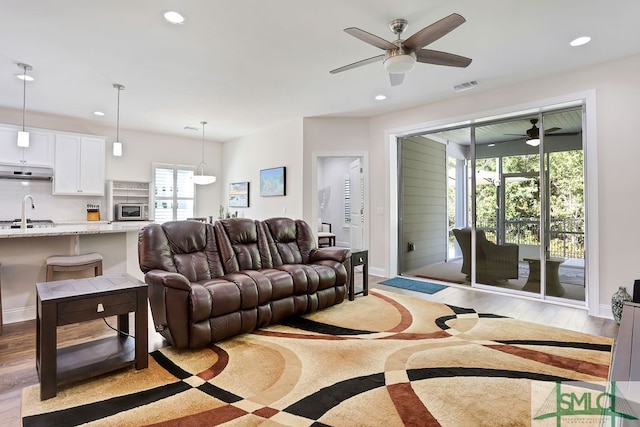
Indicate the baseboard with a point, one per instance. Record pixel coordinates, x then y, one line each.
604 311
378 272
15 315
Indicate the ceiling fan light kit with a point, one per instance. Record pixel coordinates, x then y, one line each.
400 63
534 142
401 55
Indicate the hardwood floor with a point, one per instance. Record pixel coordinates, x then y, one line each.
17 344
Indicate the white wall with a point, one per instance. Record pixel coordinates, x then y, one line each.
140 150
243 158
617 92
333 137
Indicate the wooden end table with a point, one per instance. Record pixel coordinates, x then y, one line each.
78 300
359 258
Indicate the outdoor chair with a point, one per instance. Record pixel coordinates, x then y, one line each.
493 262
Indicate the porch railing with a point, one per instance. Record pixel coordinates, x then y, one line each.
566 235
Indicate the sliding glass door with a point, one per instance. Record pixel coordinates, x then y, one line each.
508 211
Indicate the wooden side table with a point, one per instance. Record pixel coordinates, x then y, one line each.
359 258
71 301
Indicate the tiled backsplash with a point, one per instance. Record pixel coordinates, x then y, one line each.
48 206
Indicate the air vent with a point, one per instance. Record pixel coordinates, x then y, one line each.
465 86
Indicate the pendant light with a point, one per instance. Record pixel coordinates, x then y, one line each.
200 176
23 135
117 145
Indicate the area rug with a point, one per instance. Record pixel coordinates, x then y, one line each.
414 285
382 360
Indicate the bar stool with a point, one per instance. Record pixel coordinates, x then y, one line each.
74 263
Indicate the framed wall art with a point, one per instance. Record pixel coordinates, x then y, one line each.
273 182
239 195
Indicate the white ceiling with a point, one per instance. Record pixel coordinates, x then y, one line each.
246 65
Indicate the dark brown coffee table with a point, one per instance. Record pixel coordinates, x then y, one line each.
72 301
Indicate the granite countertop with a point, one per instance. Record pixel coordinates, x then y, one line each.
69 228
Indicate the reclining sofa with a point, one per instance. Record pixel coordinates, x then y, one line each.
209 282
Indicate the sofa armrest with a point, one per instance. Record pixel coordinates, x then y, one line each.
332 253
168 279
169 300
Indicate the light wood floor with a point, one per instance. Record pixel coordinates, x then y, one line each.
17 344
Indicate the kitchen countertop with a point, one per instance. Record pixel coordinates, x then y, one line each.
74 228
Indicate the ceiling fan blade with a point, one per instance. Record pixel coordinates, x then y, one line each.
546 131
442 58
563 134
370 38
396 79
358 64
434 31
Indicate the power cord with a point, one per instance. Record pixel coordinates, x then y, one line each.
117 330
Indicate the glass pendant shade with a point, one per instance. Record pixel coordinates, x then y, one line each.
23 135
117 145
200 176
23 139
117 149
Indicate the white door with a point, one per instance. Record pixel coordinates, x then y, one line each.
356 185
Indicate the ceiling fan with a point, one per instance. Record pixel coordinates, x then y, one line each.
401 55
533 134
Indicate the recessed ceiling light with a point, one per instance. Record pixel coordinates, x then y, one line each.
174 17
580 41
24 77
98 113
491 145
380 97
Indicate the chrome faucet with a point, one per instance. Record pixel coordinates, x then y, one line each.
23 219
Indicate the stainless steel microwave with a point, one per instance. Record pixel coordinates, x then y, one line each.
132 212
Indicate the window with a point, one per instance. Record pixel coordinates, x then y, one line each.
174 193
347 201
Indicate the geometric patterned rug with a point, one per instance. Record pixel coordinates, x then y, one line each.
381 360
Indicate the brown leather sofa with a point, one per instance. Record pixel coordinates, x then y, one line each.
208 282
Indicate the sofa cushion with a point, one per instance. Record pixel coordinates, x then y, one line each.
185 247
291 241
242 245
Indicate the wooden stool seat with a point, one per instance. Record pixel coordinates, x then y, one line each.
74 263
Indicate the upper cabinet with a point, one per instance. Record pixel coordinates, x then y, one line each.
39 152
78 165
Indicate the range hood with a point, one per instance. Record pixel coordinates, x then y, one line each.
26 173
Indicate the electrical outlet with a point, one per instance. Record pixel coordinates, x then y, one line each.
412 246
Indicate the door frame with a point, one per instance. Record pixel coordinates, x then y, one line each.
585 98
364 156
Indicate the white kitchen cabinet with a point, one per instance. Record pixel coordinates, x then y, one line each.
39 152
78 167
